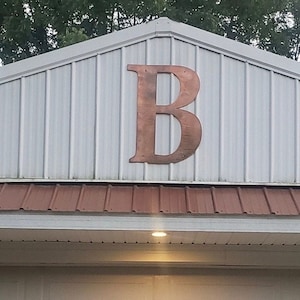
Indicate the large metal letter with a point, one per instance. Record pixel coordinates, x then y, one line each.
147 110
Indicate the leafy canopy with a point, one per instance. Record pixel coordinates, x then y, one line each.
31 27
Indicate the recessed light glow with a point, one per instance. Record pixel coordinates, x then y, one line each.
159 234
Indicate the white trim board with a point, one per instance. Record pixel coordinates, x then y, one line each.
13 220
137 229
162 27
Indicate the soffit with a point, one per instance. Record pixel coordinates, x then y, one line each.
163 256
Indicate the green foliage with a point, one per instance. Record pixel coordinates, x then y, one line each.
31 27
71 36
273 25
199 13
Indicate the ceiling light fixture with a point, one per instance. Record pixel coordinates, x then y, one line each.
159 234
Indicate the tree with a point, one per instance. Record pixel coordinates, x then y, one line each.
273 25
31 27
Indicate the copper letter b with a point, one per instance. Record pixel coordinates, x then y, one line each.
147 110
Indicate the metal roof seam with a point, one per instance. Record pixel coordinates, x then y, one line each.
160 198
24 201
107 198
240 200
188 200
1 192
80 198
213 196
3 187
294 200
53 198
267 200
133 209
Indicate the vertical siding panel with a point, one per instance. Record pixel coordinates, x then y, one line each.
183 56
72 120
97 118
33 122
83 126
233 121
147 62
134 54
297 137
209 105
258 125
284 129
47 123
21 129
59 118
197 111
10 128
271 131
160 55
122 128
221 118
173 124
246 122
109 129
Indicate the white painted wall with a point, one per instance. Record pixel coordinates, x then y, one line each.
92 283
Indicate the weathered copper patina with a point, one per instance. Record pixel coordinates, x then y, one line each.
147 109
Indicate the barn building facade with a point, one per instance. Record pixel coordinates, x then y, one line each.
160 127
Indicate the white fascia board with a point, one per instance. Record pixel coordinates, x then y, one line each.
236 49
221 224
124 181
158 28
77 51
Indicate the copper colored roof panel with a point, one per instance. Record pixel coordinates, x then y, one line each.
226 200
151 199
92 198
38 197
253 201
65 198
119 199
172 200
12 196
281 202
296 197
145 199
199 200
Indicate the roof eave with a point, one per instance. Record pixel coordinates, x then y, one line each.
162 27
124 228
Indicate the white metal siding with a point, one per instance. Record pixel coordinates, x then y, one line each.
10 128
208 159
32 129
83 119
58 131
77 120
108 150
258 139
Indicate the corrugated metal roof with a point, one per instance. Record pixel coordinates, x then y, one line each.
151 199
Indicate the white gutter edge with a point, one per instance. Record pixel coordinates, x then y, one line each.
222 224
